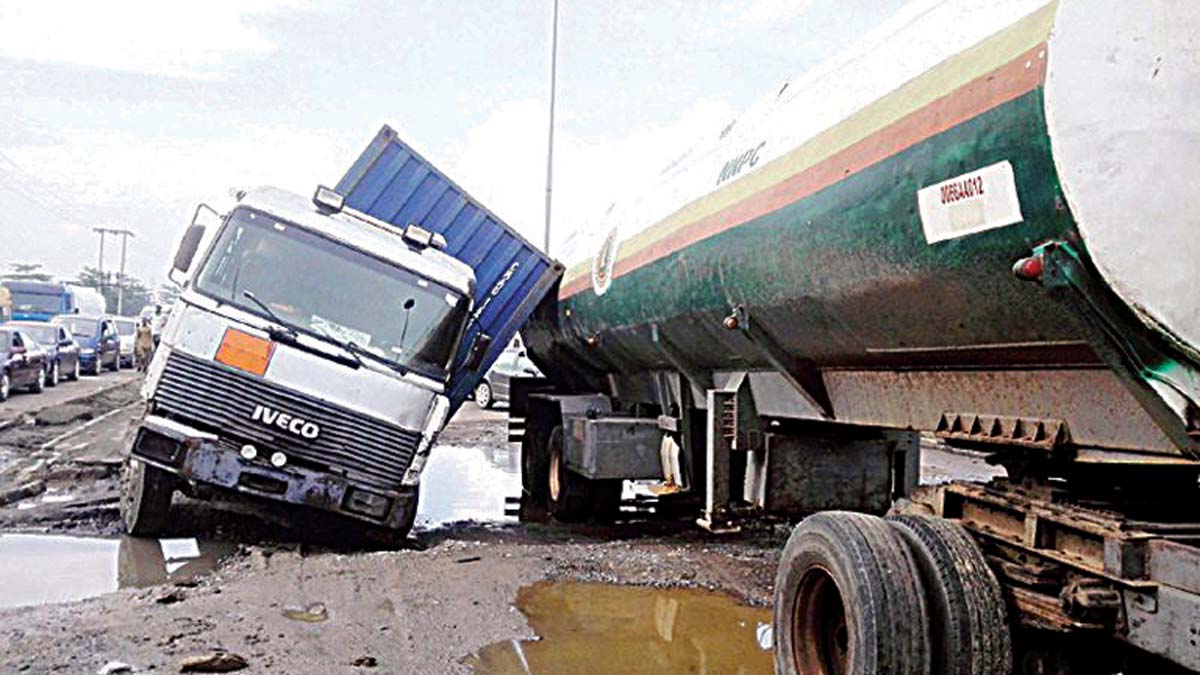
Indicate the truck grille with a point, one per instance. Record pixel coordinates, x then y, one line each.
221 400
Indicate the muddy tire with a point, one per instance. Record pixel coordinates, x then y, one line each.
568 494
848 599
39 384
483 395
145 498
967 618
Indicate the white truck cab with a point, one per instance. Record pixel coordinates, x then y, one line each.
305 361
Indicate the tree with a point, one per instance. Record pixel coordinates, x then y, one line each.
137 295
27 272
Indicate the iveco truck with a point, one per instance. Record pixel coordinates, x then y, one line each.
320 345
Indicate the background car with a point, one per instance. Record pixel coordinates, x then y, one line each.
126 334
62 352
513 362
99 346
22 362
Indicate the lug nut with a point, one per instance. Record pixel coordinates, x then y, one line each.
248 452
278 459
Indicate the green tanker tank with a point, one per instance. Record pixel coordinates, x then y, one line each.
859 230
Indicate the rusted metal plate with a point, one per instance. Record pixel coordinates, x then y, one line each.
1006 430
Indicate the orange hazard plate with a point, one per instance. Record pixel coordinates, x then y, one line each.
245 351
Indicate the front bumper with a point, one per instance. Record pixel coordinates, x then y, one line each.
199 457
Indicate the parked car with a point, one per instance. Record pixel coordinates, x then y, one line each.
513 362
22 360
99 346
62 352
126 334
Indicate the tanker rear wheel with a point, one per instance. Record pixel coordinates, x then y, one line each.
848 599
568 494
968 622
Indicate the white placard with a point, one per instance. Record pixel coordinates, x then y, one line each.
973 202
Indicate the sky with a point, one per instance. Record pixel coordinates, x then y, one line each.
127 114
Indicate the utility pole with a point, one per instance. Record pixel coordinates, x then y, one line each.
100 264
550 145
125 235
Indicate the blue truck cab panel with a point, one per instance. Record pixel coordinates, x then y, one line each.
393 183
39 300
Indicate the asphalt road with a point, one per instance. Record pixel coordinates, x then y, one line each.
22 403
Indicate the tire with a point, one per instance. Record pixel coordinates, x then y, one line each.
116 364
5 387
74 376
95 369
967 618
568 494
483 395
145 498
54 376
848 600
395 537
39 383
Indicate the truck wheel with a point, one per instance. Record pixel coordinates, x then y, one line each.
848 600
145 498
569 494
395 537
969 629
483 395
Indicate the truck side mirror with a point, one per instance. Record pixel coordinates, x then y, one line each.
479 349
187 248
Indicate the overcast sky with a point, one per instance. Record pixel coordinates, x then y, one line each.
126 114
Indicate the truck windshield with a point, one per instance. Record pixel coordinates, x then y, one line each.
23 301
324 288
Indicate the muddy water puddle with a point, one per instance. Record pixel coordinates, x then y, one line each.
468 483
596 628
40 569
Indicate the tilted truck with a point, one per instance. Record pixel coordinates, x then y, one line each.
320 345
980 223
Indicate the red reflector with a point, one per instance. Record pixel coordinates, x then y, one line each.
1029 269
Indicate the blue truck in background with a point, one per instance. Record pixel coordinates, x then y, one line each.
32 300
319 345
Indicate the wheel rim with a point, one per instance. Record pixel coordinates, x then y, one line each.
41 379
555 485
821 643
75 374
483 395
54 374
4 386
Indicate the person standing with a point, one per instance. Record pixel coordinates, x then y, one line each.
143 344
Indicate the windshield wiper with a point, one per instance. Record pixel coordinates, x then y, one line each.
284 332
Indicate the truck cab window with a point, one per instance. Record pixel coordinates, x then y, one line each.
337 291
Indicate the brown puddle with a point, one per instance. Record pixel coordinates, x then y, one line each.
598 628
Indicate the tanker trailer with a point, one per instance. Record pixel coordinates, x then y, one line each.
977 223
